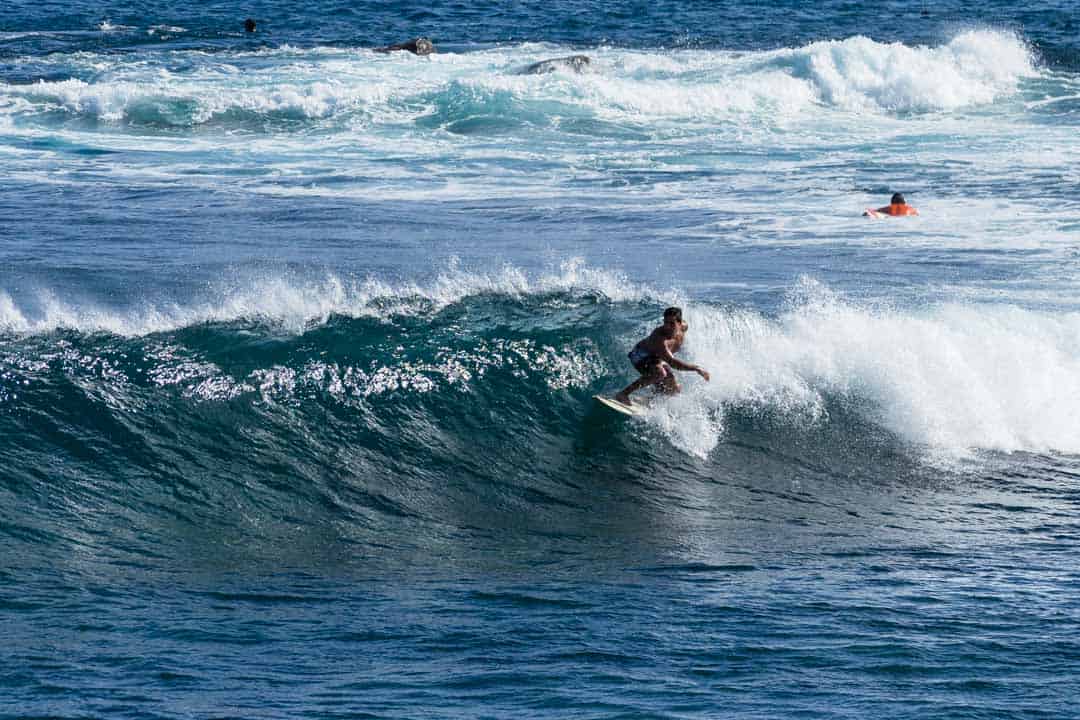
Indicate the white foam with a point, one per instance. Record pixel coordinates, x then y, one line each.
11 318
286 114
975 67
190 102
950 377
165 29
772 93
296 305
107 27
857 73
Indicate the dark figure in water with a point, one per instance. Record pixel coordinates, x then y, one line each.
419 46
249 25
654 357
577 63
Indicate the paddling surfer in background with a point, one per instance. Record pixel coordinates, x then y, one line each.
654 357
897 207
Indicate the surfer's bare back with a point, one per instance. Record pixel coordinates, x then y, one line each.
654 357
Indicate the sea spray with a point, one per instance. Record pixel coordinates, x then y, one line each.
954 377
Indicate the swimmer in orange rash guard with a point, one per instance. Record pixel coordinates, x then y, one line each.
897 206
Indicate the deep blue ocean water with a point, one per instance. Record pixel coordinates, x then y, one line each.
298 343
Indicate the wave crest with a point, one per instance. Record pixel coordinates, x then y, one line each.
975 67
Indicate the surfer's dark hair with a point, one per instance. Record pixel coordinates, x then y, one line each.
673 312
897 199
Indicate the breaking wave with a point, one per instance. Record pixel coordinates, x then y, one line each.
949 378
358 87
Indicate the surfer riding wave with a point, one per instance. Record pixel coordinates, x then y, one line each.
654 357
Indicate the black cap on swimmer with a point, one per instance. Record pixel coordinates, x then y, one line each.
898 199
249 25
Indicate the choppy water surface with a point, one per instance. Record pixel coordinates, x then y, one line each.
298 341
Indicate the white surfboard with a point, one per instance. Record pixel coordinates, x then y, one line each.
632 410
